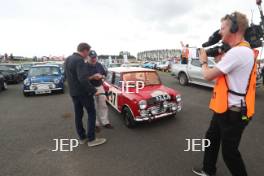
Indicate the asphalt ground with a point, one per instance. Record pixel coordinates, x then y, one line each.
28 126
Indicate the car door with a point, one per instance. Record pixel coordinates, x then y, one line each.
195 71
211 64
114 90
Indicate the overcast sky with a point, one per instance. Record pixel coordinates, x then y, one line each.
55 27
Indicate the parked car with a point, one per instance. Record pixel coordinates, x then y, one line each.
27 66
43 79
151 65
164 66
11 75
18 68
192 72
3 84
152 101
130 65
260 75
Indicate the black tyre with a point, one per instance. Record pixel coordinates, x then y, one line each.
26 94
183 80
4 86
61 91
128 118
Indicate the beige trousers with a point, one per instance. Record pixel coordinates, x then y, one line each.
101 108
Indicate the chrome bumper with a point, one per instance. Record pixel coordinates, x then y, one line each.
153 117
139 119
54 89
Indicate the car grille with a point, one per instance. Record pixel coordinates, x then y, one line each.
152 101
158 109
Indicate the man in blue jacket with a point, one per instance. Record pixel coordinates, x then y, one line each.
82 92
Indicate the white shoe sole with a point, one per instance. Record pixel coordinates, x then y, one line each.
90 144
198 173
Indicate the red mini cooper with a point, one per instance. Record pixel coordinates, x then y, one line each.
139 95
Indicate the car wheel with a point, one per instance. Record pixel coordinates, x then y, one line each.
26 94
4 86
128 118
183 79
61 91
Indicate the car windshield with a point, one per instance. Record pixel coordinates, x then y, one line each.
27 66
149 78
44 71
115 65
16 67
5 68
130 65
134 65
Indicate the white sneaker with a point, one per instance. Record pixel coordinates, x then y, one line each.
97 141
83 141
200 172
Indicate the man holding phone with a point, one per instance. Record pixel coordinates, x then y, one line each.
98 74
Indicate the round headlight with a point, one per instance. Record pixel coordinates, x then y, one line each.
27 82
142 104
56 81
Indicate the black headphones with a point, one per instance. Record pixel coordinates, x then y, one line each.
234 25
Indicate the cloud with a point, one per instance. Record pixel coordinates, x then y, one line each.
44 27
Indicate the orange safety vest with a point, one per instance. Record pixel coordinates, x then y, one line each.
185 53
219 100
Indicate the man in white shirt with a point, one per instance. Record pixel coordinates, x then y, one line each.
235 67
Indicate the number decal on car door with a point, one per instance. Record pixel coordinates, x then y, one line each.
112 98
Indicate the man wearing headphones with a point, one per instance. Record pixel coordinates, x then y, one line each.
233 97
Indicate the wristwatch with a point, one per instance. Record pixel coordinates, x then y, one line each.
202 63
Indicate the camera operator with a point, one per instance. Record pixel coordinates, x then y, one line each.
233 98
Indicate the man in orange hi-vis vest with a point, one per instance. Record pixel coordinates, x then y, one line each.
233 97
184 53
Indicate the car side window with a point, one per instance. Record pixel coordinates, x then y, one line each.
116 80
196 63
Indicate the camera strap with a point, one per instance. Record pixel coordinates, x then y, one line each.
243 102
237 93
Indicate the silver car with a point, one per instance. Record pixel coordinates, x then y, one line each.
192 72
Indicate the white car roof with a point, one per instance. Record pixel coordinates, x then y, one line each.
45 65
129 69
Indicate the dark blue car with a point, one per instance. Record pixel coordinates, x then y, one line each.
44 79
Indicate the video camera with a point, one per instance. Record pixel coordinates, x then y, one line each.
254 36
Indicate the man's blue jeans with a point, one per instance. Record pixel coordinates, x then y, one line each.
87 102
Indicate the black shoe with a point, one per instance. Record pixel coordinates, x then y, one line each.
109 126
200 172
